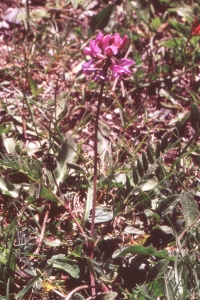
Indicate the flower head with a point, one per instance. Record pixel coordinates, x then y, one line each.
103 51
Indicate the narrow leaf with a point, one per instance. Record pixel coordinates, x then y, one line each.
164 143
150 155
135 175
145 162
141 250
158 150
101 20
140 168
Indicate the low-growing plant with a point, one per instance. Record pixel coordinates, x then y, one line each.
99 189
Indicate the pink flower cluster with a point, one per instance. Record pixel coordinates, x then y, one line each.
103 51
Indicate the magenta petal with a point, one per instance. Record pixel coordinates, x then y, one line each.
111 50
94 48
119 70
99 37
89 67
115 39
124 62
87 51
105 41
123 41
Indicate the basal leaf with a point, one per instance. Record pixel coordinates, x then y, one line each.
67 154
102 215
67 265
190 208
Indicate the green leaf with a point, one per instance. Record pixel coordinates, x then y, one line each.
3 259
158 287
173 43
103 145
62 109
190 208
128 184
145 162
150 155
67 154
101 20
27 287
69 266
135 175
34 88
141 250
181 28
158 150
30 284
150 184
140 168
4 128
45 193
164 143
155 23
195 117
102 215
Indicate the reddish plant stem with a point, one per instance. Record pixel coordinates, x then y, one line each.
66 204
96 161
92 233
74 218
69 296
